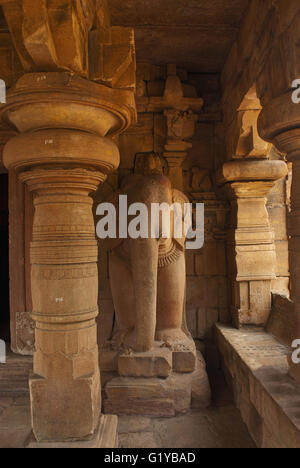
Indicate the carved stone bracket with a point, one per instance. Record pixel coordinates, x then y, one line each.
73 36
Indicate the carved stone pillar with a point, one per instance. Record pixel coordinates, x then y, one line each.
251 249
181 126
63 152
181 121
279 122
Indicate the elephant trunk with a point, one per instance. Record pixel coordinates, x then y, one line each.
144 262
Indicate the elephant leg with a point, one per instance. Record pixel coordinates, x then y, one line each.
170 301
144 261
123 292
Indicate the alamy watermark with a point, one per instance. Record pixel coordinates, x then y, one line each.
296 353
296 93
2 92
158 221
2 352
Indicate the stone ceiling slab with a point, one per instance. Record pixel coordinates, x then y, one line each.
196 34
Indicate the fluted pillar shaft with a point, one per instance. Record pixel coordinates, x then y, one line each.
65 303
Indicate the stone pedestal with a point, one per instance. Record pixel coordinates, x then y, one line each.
279 123
250 242
159 383
62 153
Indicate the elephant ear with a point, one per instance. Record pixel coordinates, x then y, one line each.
182 199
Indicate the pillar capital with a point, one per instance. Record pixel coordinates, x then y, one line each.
60 100
279 123
252 171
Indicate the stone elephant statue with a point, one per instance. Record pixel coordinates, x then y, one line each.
148 275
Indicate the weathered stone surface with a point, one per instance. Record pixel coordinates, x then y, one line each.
145 440
264 391
76 38
105 437
180 385
161 408
154 363
161 33
14 375
200 386
282 320
15 417
137 423
108 360
184 361
180 388
141 388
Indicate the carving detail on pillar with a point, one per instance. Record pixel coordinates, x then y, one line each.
179 112
242 138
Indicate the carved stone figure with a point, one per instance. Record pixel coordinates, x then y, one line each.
148 275
201 180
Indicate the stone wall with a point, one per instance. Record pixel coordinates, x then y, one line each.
256 56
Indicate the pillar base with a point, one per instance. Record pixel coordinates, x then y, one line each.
79 401
105 437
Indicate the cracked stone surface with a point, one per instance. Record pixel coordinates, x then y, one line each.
210 428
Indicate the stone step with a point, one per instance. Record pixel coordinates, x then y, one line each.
14 375
14 388
8 371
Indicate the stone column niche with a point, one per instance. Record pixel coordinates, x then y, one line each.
279 122
251 249
63 152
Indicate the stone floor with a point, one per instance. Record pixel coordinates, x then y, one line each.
211 428
15 426
219 426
